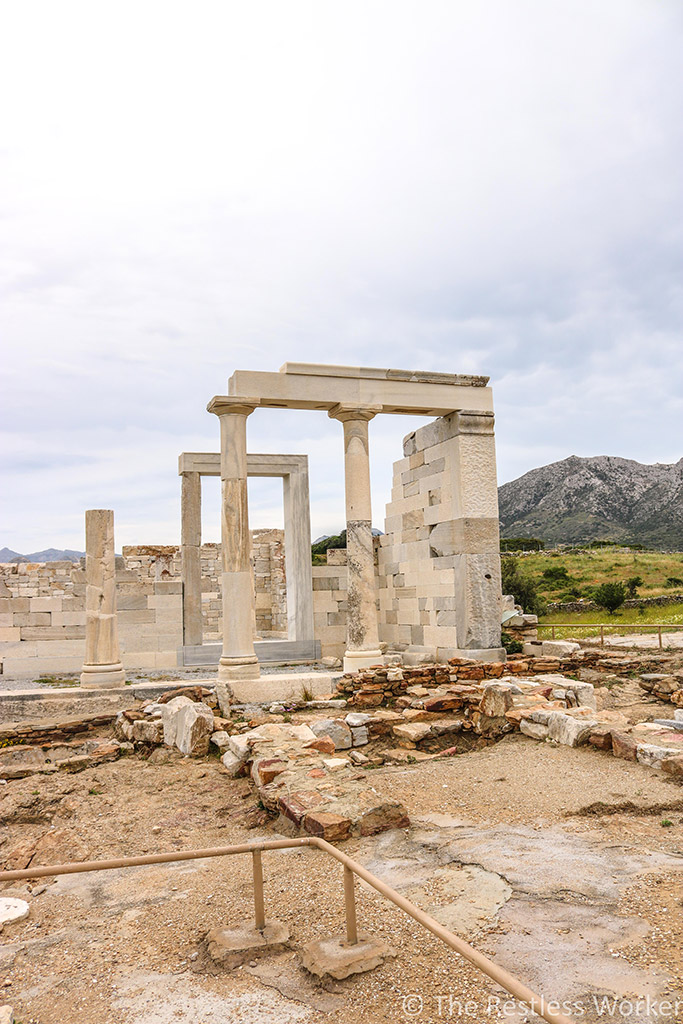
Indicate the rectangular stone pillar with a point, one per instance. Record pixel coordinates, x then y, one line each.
102 667
190 553
238 660
476 534
298 565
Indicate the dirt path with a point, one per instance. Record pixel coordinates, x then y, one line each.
552 859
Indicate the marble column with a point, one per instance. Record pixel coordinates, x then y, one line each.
190 555
238 660
362 633
102 667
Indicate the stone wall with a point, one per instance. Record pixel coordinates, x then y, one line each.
439 579
330 591
42 607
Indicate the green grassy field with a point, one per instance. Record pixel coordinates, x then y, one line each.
623 621
589 568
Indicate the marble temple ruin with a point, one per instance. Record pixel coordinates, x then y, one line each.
429 587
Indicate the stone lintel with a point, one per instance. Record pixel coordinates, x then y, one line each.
377 373
399 392
209 464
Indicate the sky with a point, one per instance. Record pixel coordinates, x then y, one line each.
189 188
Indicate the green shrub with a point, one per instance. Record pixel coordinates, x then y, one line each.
610 596
511 645
517 581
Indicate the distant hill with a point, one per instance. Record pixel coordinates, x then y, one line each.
49 555
601 498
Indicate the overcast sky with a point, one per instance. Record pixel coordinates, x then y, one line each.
191 188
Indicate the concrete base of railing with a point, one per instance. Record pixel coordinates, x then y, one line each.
233 946
336 957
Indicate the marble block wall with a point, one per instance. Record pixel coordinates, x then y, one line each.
42 607
439 583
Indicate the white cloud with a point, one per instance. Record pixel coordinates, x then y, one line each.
190 189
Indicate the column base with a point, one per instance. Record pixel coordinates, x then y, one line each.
354 661
238 668
103 677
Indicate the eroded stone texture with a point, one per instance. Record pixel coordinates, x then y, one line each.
238 660
361 617
439 563
191 540
102 666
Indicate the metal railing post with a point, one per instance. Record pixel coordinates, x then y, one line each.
659 633
259 909
602 636
350 901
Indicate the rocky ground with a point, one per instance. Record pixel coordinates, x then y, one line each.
564 865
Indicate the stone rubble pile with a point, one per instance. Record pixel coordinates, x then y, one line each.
47 746
665 686
298 776
22 761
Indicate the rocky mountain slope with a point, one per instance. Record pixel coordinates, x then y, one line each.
601 498
49 555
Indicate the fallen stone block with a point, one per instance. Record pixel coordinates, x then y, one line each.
601 737
265 769
412 732
360 736
534 730
558 648
148 732
584 692
194 726
170 718
327 825
220 739
570 732
233 764
673 766
496 700
323 744
357 719
624 746
12 910
296 805
652 756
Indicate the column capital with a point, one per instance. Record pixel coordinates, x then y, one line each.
224 405
344 411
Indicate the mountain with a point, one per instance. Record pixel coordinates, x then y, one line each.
49 555
601 498
7 555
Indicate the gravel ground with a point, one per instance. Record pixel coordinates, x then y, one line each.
561 832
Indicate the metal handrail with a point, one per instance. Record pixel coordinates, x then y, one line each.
629 626
539 1004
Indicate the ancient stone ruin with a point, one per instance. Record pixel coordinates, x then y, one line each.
429 587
